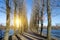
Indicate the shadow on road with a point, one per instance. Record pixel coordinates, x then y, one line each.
18 37
27 37
10 37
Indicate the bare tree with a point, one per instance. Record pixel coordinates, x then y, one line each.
15 15
22 15
7 20
42 12
49 20
35 15
20 3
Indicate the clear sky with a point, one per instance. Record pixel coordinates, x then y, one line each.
55 13
29 9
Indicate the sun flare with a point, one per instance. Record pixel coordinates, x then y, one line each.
18 22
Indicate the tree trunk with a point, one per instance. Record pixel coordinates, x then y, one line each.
42 17
7 20
49 20
15 16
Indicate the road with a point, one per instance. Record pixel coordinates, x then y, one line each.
27 36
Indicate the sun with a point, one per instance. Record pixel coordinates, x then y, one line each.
18 22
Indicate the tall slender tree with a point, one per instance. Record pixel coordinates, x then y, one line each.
20 15
49 20
35 15
42 12
24 17
7 20
15 15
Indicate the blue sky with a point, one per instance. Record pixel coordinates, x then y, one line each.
55 13
29 9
